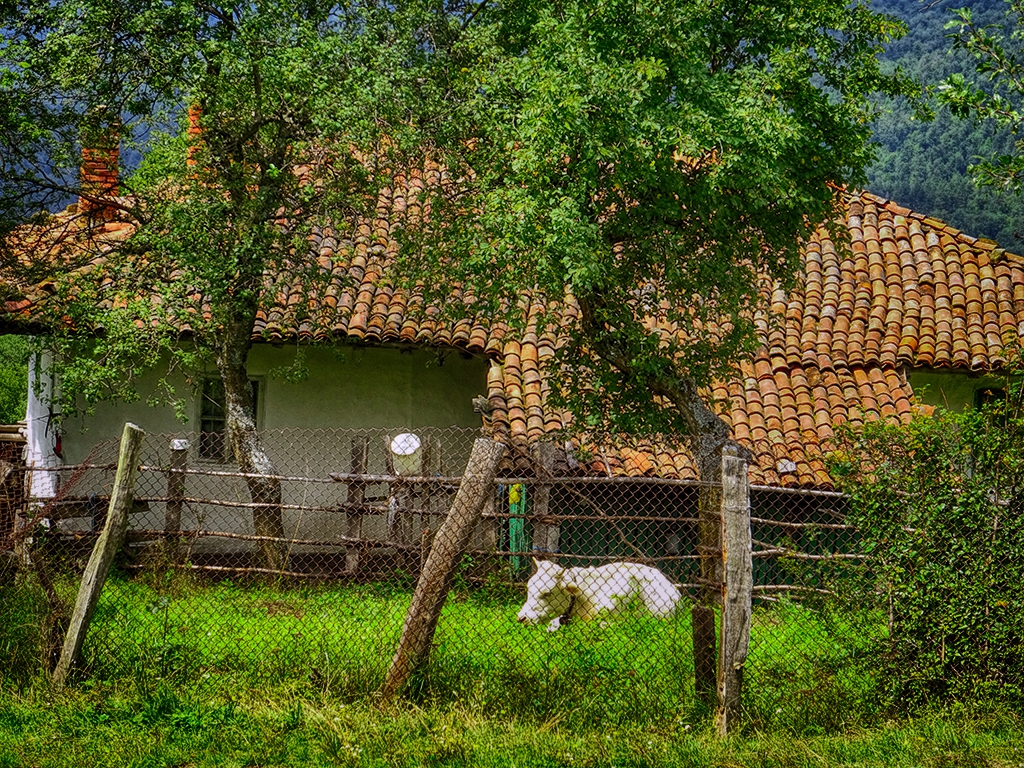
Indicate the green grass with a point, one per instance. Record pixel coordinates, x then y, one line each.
188 674
804 676
103 724
342 639
811 670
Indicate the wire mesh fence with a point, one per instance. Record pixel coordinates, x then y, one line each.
809 640
569 593
192 597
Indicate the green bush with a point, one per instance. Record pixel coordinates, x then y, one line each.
13 378
939 505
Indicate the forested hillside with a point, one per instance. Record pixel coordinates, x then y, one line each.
924 165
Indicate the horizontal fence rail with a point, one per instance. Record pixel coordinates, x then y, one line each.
193 597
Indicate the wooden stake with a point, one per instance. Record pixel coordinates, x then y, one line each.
546 534
103 553
175 496
737 591
436 577
356 499
704 659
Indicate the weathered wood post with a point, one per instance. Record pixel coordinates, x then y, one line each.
436 577
103 552
705 632
400 520
490 528
356 497
490 537
546 533
175 496
400 507
737 591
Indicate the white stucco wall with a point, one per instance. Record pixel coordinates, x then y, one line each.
309 429
351 387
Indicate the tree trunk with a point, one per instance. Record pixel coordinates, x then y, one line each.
247 444
708 437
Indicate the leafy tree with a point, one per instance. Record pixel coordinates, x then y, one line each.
995 49
655 164
283 96
654 161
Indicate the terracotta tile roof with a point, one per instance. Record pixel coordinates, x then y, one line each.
357 300
783 413
907 290
353 300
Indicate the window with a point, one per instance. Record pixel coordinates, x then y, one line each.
213 442
988 396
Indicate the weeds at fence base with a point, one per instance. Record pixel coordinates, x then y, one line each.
188 635
113 723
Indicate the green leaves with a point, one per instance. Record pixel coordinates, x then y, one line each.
655 160
659 157
14 352
994 50
937 504
289 98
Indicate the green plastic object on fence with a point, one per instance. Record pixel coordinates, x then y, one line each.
517 526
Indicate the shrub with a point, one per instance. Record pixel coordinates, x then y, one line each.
14 351
939 504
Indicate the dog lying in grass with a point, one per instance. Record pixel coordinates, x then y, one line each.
557 595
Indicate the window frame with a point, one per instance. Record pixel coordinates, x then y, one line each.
204 451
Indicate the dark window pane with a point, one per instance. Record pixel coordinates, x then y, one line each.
988 396
213 444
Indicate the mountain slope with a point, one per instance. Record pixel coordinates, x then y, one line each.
924 165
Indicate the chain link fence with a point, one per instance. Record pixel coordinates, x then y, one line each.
810 643
192 598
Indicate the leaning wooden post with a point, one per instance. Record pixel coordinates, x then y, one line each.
436 577
175 496
737 591
103 552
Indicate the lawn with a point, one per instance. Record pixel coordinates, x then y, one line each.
123 726
185 673
216 639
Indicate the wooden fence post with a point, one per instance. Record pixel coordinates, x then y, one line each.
709 597
737 591
355 498
546 534
175 496
436 576
103 552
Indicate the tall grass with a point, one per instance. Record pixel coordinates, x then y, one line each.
804 675
24 620
812 669
108 724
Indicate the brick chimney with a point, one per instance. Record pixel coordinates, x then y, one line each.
101 149
195 135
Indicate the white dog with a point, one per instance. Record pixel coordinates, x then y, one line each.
554 594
